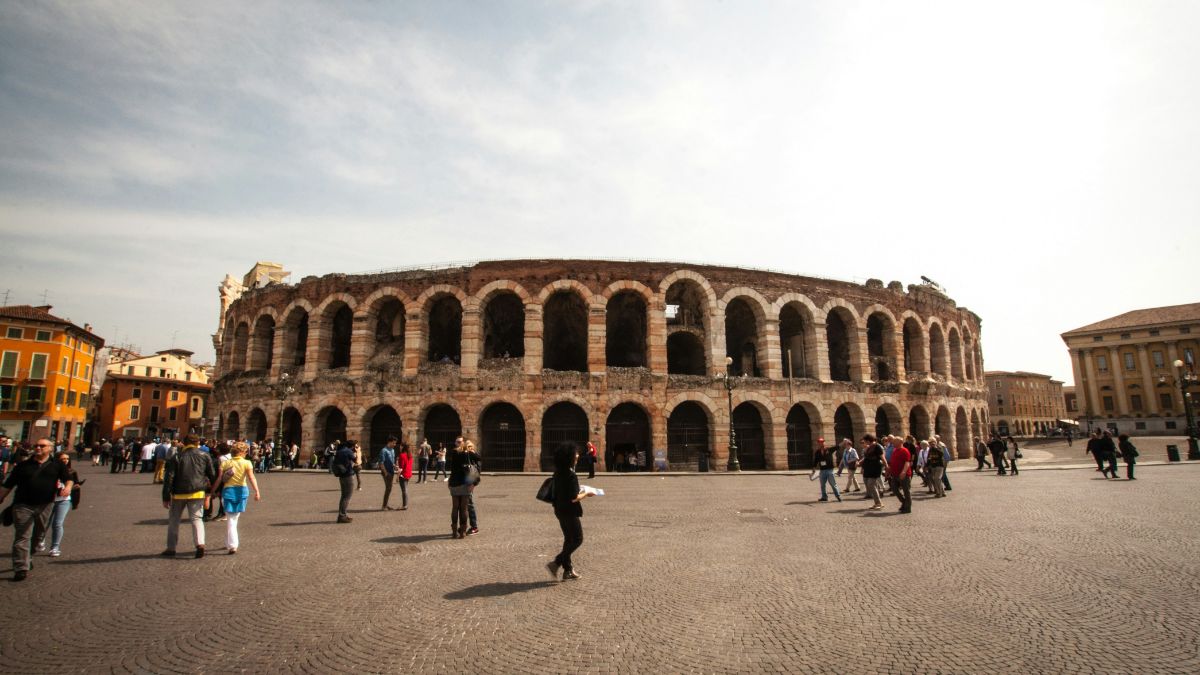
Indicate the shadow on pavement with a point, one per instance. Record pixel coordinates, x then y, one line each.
497 589
331 521
111 559
152 521
410 538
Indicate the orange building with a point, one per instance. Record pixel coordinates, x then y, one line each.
46 368
158 395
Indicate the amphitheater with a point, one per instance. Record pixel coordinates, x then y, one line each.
634 356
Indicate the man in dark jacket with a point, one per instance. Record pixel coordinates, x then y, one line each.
187 478
37 481
1107 449
997 447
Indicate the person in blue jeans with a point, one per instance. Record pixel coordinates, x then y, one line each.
825 462
62 506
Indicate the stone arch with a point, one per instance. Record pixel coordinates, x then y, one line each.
888 420
939 362
695 277
563 421
882 350
378 423
565 327
335 330
841 342
292 432
752 423
686 354
296 327
241 343
331 425
502 436
798 342
689 436
627 328
968 338
848 422
914 347
256 425
558 285
628 286
956 355
962 434
442 323
918 422
502 324
745 311
689 306
262 351
628 430
976 429
943 424
440 423
803 430
384 315
233 426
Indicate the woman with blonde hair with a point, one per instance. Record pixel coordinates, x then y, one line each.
234 475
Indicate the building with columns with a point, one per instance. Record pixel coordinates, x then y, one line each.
635 356
1024 404
1125 378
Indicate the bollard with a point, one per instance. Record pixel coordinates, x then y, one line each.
1172 453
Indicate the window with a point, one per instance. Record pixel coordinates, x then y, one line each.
134 412
75 369
1157 357
1135 401
162 372
1124 336
187 376
1185 330
155 395
174 396
153 413
172 413
136 393
163 359
1187 356
8 364
1129 361
87 372
43 336
147 371
1102 363
84 400
63 368
1165 400
1108 404
37 366
60 396
195 405
35 398
1098 338
1170 424
14 333
71 398
130 370
6 396
1154 333
1140 426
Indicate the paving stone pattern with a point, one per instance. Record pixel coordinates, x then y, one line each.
1053 571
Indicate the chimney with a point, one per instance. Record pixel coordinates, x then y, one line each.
87 327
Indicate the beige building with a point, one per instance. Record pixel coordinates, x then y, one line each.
1024 404
169 364
1124 369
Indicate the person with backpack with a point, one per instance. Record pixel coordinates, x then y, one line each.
342 465
567 509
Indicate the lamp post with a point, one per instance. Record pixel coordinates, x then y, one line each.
282 390
733 464
1188 380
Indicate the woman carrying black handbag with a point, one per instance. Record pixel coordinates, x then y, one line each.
567 508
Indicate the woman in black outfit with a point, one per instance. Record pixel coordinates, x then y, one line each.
1129 453
567 509
460 489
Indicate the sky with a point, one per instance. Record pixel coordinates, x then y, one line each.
1039 160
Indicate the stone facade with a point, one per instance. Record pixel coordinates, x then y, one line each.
521 354
1124 369
1024 404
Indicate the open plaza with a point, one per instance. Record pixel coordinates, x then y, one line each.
1056 570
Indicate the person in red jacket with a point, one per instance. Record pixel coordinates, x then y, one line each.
900 470
404 463
591 459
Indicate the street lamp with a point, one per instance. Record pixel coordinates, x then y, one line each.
282 390
733 464
1187 381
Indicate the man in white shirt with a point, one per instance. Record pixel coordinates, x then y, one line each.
148 456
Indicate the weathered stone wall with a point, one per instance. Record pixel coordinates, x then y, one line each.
942 382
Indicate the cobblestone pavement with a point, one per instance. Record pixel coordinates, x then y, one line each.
1056 451
1053 571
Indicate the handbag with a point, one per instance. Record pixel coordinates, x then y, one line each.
472 474
546 492
1017 454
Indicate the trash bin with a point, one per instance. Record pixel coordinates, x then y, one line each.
1172 453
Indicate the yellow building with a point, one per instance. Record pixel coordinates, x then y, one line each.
1024 404
45 374
1125 373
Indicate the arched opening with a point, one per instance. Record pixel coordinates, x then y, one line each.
1002 427
262 353
442 426
687 436
563 422
504 329
627 433
837 337
751 439
800 438
976 429
686 316
956 357
340 325
256 425
241 339
742 333
887 420
969 353
962 435
938 362
502 438
445 330
625 337
844 426
382 421
797 344
941 424
296 338
233 427
881 338
685 354
389 328
293 428
914 348
565 332
918 423
331 424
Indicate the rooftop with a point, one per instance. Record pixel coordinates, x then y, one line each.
1154 316
41 314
